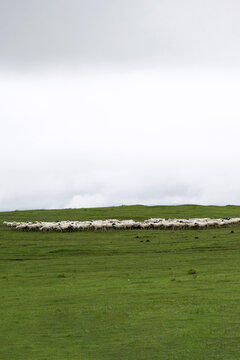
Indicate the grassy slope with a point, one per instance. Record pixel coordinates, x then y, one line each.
112 295
137 212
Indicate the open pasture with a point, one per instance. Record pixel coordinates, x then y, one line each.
135 294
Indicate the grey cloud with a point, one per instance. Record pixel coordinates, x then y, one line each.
77 32
119 102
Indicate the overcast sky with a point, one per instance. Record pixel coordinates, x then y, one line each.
119 102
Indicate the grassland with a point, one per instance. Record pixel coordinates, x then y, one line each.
146 295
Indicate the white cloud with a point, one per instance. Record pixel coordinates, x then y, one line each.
97 137
86 201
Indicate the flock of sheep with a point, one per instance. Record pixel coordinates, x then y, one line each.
161 224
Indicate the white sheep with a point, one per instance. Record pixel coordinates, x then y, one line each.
153 223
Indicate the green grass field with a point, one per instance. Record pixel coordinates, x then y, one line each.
145 295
